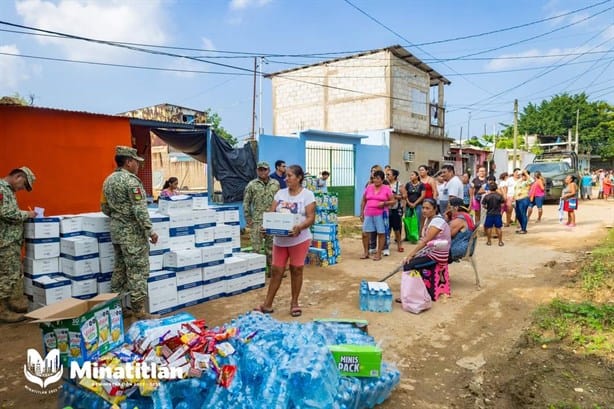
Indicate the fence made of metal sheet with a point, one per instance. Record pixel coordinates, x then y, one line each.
339 160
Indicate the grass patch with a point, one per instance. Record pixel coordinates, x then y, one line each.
587 325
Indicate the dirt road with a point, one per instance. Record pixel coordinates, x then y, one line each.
442 353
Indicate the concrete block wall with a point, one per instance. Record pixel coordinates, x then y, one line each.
405 78
425 148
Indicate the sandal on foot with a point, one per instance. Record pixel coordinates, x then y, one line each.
398 300
501 244
488 243
401 249
376 258
296 311
364 257
264 310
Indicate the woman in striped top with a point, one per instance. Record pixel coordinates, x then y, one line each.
434 244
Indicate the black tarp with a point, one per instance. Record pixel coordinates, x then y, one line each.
233 167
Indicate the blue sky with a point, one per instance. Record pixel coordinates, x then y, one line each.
572 51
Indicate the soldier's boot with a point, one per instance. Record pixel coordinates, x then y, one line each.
18 304
7 316
138 310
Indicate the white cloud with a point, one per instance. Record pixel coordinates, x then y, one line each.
114 20
244 4
12 70
207 43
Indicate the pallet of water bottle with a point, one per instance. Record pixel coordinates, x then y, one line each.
375 296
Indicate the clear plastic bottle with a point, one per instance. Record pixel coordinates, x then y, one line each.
372 300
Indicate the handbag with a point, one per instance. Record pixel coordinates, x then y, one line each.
410 222
572 203
414 295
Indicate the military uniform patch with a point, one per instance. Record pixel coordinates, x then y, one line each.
1 197
136 192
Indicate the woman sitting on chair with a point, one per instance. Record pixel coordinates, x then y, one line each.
434 244
461 228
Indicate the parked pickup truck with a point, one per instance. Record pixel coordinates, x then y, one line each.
555 167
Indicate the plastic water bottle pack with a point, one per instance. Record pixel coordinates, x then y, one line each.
282 366
375 296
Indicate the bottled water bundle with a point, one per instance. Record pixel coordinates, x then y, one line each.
375 296
278 366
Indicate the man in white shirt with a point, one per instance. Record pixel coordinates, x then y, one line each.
453 187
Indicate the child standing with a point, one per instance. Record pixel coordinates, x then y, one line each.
493 201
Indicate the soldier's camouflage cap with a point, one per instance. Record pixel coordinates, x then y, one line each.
128 152
30 178
263 164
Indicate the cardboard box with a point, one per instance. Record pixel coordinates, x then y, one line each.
42 248
234 266
222 233
204 237
42 228
175 204
77 246
255 261
213 273
107 264
189 294
81 329
161 290
279 224
179 243
156 262
96 223
357 360
84 287
28 280
212 255
105 247
103 282
41 266
200 201
70 225
189 276
183 260
204 218
48 290
214 290
163 245
80 266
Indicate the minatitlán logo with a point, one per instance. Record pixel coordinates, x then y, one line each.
43 372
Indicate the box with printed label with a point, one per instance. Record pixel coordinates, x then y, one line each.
77 246
42 228
163 244
325 228
28 280
180 221
212 255
83 330
105 247
255 261
161 290
42 248
214 290
204 218
183 259
175 204
214 273
200 201
179 243
107 264
85 286
234 266
70 225
161 222
80 266
256 278
156 262
41 266
357 360
96 223
104 283
235 285
279 224
204 237
47 290
194 275
231 214
189 295
222 233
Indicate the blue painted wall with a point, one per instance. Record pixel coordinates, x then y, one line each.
292 151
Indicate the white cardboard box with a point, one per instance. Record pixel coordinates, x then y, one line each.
212 255
200 201
29 278
204 237
104 283
42 228
70 225
214 289
214 273
185 277
107 264
78 246
156 262
175 204
42 248
96 222
279 224
234 266
222 233
162 290
181 243
84 286
189 294
254 261
183 258
204 218
48 290
80 266
41 266
105 247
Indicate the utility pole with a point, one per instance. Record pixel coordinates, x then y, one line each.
260 129
515 131
253 133
577 124
460 151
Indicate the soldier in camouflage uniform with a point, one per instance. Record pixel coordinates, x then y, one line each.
11 240
257 199
124 200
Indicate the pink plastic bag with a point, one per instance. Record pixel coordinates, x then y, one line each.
414 296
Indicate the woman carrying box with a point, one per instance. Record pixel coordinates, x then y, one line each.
294 247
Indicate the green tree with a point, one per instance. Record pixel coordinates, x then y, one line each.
215 120
556 116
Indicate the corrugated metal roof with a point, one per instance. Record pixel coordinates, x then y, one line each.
397 50
60 110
